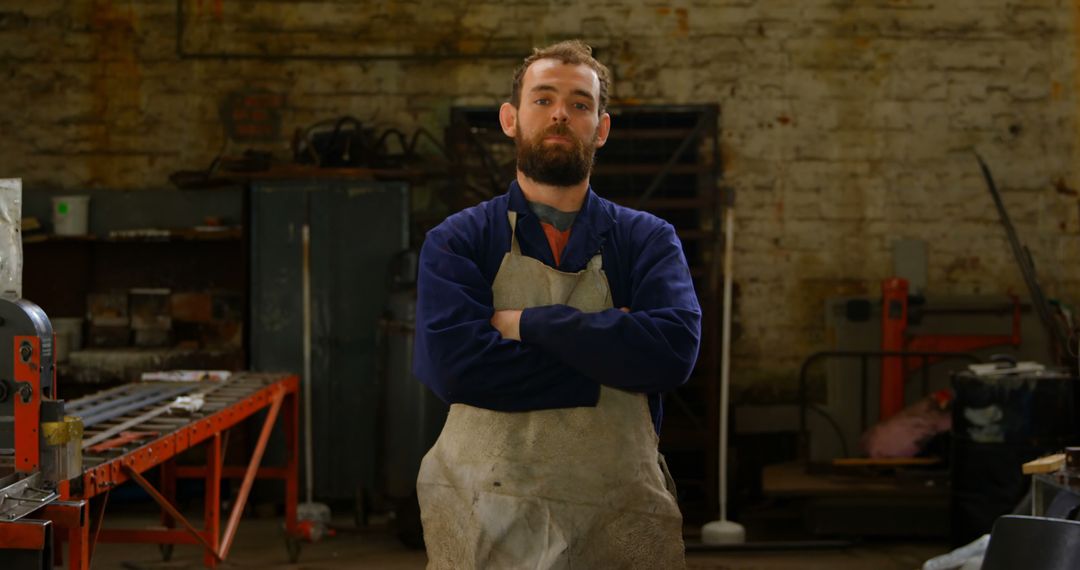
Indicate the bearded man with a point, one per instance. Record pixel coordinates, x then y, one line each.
552 320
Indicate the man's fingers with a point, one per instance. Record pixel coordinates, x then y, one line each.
624 309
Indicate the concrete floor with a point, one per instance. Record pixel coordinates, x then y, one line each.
259 544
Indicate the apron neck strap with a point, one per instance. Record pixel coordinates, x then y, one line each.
596 263
514 247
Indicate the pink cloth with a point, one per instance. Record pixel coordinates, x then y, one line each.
905 434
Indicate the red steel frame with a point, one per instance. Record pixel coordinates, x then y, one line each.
28 413
894 294
82 530
894 337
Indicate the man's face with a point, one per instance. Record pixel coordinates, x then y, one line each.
556 126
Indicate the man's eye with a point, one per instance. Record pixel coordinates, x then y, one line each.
581 106
542 101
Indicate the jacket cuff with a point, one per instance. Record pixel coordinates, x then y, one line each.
529 327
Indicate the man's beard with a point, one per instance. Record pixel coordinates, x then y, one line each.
552 163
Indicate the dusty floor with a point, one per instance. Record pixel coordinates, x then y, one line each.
259 544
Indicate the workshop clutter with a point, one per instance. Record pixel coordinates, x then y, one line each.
346 142
155 317
343 143
335 143
1005 414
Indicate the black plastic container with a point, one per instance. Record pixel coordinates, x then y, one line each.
999 423
1032 407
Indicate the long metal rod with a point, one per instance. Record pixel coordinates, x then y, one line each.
81 403
161 410
725 353
150 490
309 467
249 476
112 413
109 400
1027 267
104 411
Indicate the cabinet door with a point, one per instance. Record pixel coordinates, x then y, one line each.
356 229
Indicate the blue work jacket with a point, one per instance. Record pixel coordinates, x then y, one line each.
564 355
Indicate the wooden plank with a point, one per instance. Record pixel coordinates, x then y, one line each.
1047 464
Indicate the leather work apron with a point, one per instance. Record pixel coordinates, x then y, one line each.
568 488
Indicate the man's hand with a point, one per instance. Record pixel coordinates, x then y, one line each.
508 323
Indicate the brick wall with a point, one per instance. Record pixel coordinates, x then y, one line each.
846 124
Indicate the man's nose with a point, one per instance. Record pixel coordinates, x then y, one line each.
559 114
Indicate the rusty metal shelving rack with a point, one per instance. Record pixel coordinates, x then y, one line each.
144 436
664 159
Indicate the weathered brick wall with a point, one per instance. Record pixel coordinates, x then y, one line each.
846 124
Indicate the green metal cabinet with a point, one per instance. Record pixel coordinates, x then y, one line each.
356 229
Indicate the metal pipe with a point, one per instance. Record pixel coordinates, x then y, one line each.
104 399
1027 268
309 483
175 514
725 353
115 412
161 410
149 395
81 403
249 476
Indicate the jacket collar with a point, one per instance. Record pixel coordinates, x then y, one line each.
587 235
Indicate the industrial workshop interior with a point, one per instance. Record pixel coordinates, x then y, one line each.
678 284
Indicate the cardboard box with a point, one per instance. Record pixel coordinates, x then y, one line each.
108 309
149 309
192 307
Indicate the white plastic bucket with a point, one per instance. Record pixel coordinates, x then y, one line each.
70 215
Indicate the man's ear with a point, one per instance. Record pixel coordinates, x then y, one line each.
508 119
603 129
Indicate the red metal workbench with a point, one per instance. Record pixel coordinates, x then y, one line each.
159 438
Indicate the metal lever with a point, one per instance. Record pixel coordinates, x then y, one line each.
14 513
45 499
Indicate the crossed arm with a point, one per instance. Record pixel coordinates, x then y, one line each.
552 356
508 322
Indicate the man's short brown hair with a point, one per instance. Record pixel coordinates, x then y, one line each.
573 52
